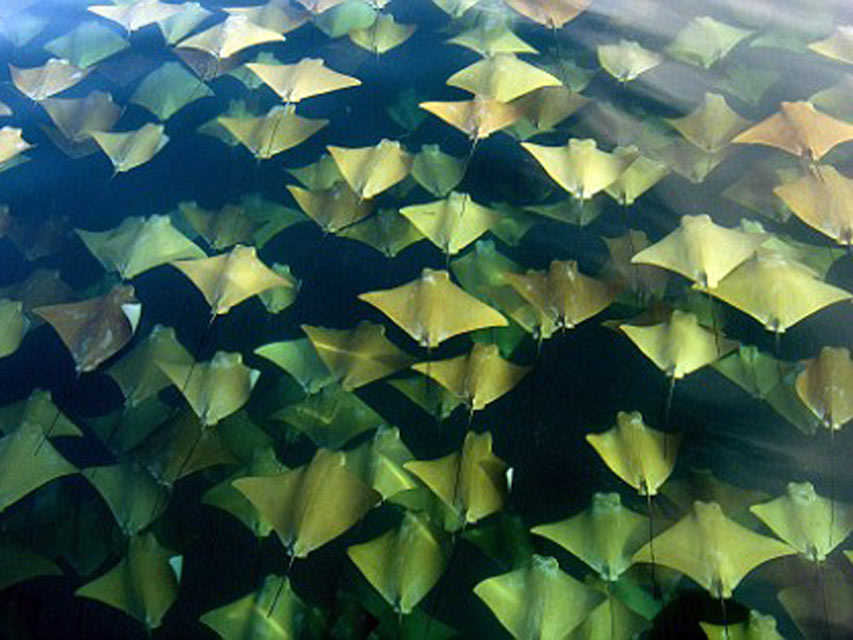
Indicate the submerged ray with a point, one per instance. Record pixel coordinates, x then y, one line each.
477 378
168 89
371 170
12 145
383 35
136 14
76 118
478 118
825 386
181 23
379 462
705 41
19 563
605 536
553 14
502 77
627 59
488 39
436 171
640 455
296 82
538 601
640 176
228 279
230 36
221 228
712 125
388 232
268 135
757 627
334 209
53 77
311 505
823 199
432 309
94 330
547 107
281 16
130 149
40 410
87 44
133 494
838 46
799 129
428 395
711 549
13 325
300 359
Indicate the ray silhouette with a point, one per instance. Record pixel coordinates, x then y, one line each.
76 118
277 131
640 176
300 359
134 496
378 463
478 118
825 386
838 46
550 13
12 145
334 209
627 59
711 126
705 41
823 199
20 563
168 89
388 232
130 149
39 409
547 107
436 171
96 329
371 170
296 82
488 39
232 35
757 626
136 14
221 228
53 77
87 44
13 325
429 396
383 35
422 308
275 15
183 22
502 77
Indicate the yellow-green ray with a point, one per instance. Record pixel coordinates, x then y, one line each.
712 125
553 14
383 35
228 37
277 131
478 118
168 89
705 41
627 59
502 77
87 44
371 170
825 386
823 199
130 149
333 209
296 82
135 497
53 77
388 232
436 171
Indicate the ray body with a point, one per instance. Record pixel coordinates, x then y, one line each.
168 89
134 496
87 45
280 16
453 223
311 505
383 35
825 386
296 82
547 107
268 135
371 170
334 209
489 39
388 232
12 144
180 24
712 549
436 171
705 41
53 77
379 462
502 77
553 14
221 228
640 176
823 199
478 118
432 309
757 627
230 36
712 125
627 59
136 14
130 149
299 358
477 378
95 329
13 325
76 118
40 410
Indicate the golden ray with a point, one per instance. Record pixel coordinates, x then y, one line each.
388 232
87 44
436 171
547 107
359 356
296 82
502 77
580 167
40 410
180 24
371 170
278 299
130 149
640 176
12 145
799 129
711 126
383 35
268 135
489 39
135 497
13 326
823 199
280 16
539 600
638 454
54 76
627 60
403 564
214 389
311 505
471 483
333 209
477 378
168 89
432 309
811 524
825 386
776 291
299 358
701 250
478 118
76 118
319 175
230 36
712 550
455 8
428 395
144 584
139 244
136 14
221 228
227 280
705 41
453 223
605 536
553 14
95 329
838 46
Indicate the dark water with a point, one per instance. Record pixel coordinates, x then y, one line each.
580 378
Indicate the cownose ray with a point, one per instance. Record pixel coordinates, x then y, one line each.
432 309
705 41
823 199
564 295
471 483
799 129
137 373
136 14
613 619
278 130
455 8
316 7
641 456
428 395
627 59
489 38
168 89
644 279
312 504
503 539
144 584
777 291
179 25
87 44
334 209
452 223
130 149
758 626
808 522
378 462
278 299
711 126
545 108
348 16
477 118
553 14
39 409
13 325
228 37
276 15
221 228
605 536
436 171
358 356
371 170
139 244
28 461
320 174
838 46
404 563
301 361
712 550
825 386
296 82
579 166
228 279
12 145
214 389
701 250
273 611
383 35
134 496
538 601
477 378
502 77
76 118
95 329
387 231
53 77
